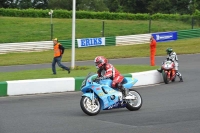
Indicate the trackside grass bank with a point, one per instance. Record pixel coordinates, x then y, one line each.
81 71
19 29
186 46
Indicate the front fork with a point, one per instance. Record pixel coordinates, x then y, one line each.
93 100
168 74
173 73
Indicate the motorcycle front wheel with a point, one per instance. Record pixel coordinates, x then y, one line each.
166 80
88 107
134 104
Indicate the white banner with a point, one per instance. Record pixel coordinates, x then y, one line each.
89 42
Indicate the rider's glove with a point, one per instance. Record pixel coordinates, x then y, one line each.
97 79
168 59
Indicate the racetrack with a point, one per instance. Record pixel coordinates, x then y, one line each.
140 61
172 108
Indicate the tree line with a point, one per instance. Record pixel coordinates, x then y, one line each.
129 6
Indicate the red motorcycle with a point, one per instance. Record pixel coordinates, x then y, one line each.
169 73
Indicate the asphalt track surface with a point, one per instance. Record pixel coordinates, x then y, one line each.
172 108
141 61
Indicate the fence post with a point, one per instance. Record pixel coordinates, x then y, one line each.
192 22
150 24
102 29
51 14
51 31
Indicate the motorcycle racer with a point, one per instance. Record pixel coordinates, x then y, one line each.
171 55
107 70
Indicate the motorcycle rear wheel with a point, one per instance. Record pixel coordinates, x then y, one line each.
134 104
88 108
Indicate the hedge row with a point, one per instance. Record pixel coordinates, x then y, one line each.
94 15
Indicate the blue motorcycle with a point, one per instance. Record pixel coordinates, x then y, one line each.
99 95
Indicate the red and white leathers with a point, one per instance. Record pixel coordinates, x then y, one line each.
173 57
109 71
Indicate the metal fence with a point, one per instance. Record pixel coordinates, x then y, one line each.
42 45
109 41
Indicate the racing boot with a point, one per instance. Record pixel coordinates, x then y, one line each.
160 70
179 75
125 93
122 89
181 79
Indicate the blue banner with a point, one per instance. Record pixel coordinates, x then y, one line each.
165 36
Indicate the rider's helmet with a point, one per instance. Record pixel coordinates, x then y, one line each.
100 61
169 50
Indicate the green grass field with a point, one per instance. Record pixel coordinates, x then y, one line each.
16 29
38 29
47 73
186 46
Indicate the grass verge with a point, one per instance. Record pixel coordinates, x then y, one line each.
186 46
18 29
46 73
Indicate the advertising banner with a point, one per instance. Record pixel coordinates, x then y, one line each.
165 36
89 42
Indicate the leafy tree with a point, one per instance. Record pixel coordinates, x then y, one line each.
128 5
131 6
161 6
113 5
141 6
2 3
182 6
25 4
92 5
172 6
40 4
6 3
62 4
198 4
